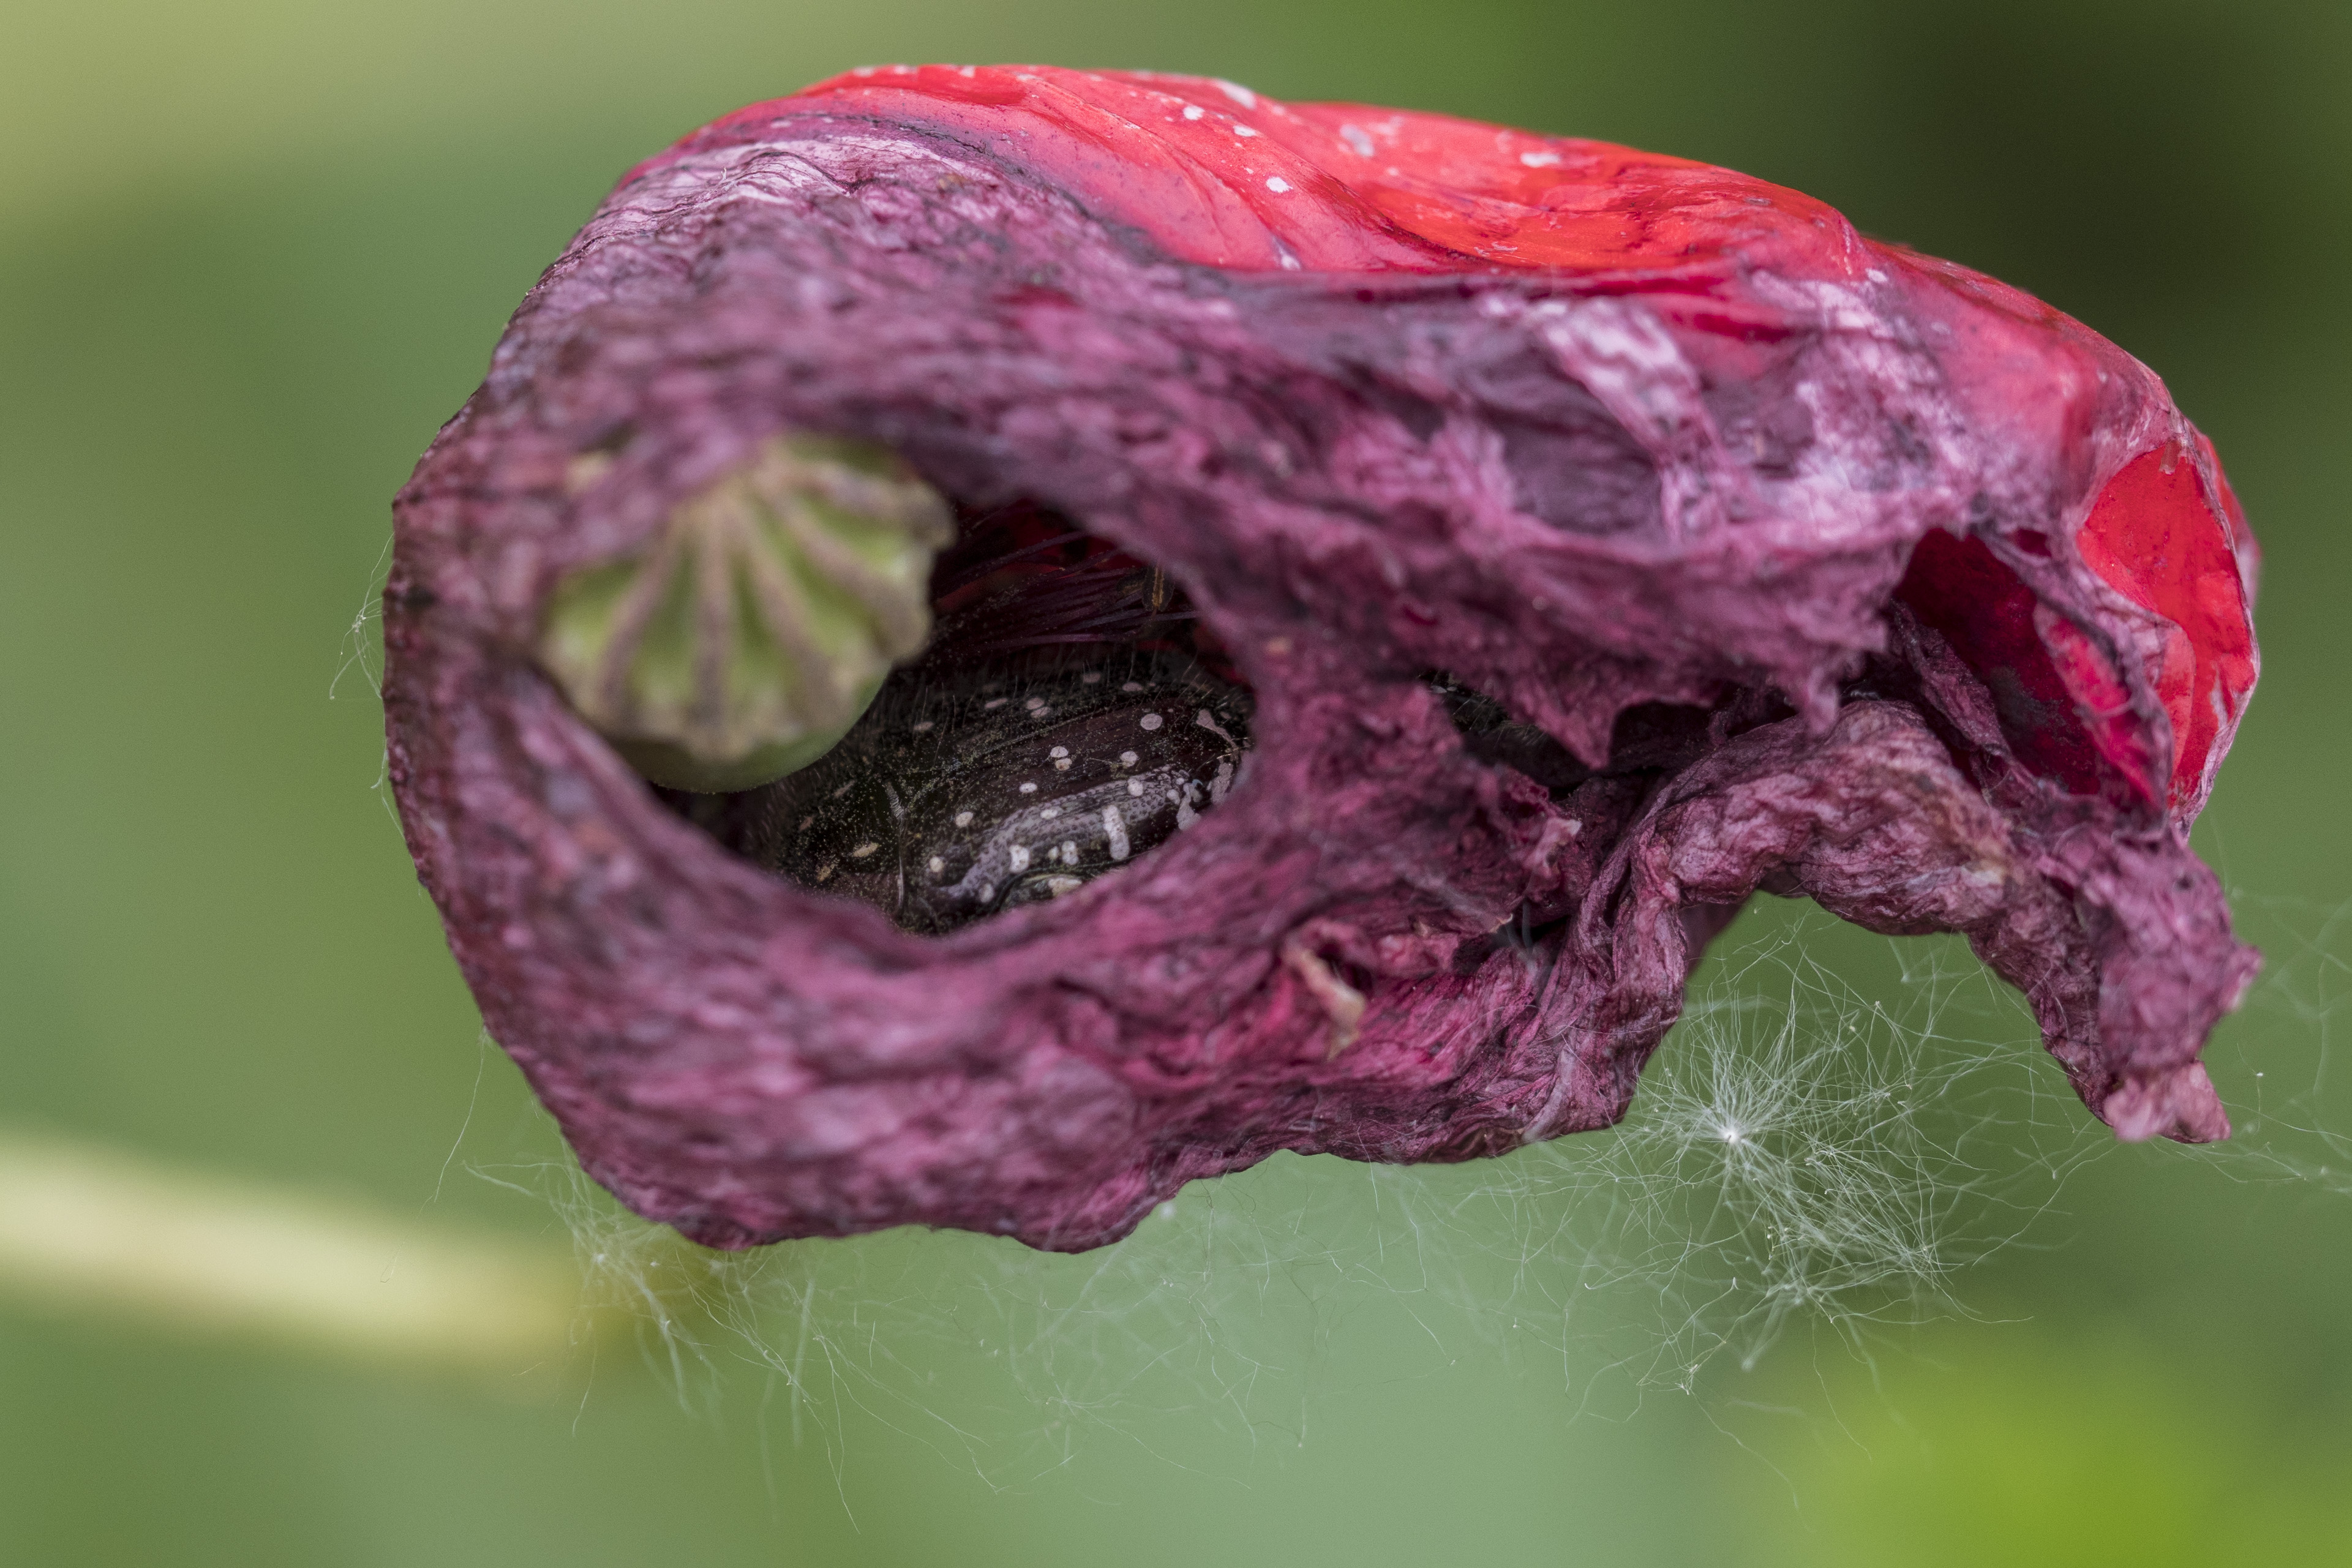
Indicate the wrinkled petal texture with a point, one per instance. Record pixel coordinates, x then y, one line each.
1850 574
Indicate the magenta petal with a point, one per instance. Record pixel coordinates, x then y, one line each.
1831 570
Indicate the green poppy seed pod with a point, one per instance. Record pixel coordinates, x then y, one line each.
757 625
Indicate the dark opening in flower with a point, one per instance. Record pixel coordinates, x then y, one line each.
1068 714
1410 582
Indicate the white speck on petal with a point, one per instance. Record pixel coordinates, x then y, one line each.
1358 140
1019 857
1237 92
1092 677
1135 786
1223 782
1244 131
1034 703
1028 788
1115 826
1050 813
1069 852
1059 751
938 866
1132 687
964 818
1540 160
1276 183
992 703
1152 721
862 851
1126 759
1193 111
924 727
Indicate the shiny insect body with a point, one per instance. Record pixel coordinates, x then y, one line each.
956 799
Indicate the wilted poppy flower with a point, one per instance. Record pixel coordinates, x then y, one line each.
1163 627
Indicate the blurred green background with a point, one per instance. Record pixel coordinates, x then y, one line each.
252 252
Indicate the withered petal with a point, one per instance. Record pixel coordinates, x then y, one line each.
1832 570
